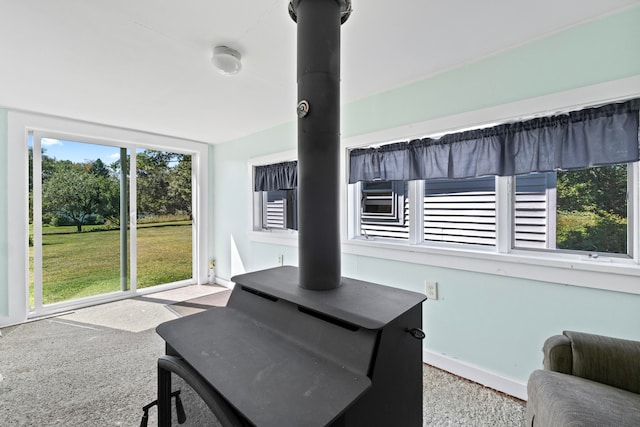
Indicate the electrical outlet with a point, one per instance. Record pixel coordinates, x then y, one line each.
431 289
280 260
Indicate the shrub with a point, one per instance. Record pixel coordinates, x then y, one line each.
588 231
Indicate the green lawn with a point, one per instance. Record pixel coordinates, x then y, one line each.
77 265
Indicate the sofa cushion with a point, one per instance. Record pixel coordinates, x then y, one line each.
561 400
607 360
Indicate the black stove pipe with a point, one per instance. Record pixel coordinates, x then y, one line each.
319 252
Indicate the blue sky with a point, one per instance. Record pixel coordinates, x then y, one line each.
79 152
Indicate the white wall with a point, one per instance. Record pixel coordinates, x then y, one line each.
4 246
488 327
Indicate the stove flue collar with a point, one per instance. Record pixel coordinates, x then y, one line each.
303 108
345 9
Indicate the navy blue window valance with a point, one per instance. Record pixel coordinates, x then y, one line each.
590 137
278 176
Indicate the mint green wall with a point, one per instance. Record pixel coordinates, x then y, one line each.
4 284
496 323
499 323
231 210
585 55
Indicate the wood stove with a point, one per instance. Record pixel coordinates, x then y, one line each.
305 346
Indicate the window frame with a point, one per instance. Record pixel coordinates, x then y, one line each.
265 213
258 202
632 187
395 214
480 205
288 222
396 218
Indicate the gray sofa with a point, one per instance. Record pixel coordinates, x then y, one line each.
588 380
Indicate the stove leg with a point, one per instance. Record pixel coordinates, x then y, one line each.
164 398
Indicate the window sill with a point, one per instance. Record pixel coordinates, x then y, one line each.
613 274
620 275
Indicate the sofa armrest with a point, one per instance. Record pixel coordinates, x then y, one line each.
557 354
607 360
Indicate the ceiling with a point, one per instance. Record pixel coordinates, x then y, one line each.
146 64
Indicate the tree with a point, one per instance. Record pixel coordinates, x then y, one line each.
163 183
109 206
152 182
98 168
74 192
600 188
180 185
592 209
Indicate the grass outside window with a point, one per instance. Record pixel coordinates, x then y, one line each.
77 265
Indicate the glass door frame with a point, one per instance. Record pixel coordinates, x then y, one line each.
199 245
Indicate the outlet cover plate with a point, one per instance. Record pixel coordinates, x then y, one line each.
431 289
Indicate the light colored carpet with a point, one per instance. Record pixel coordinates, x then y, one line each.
451 401
142 313
185 308
62 373
67 372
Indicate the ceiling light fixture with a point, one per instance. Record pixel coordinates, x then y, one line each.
226 60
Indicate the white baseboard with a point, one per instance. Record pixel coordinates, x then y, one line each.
476 374
5 321
225 283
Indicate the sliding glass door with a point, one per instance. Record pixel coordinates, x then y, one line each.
106 219
164 211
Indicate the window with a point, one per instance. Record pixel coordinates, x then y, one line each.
384 209
279 209
559 183
494 200
460 211
592 209
450 211
582 210
275 196
535 211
